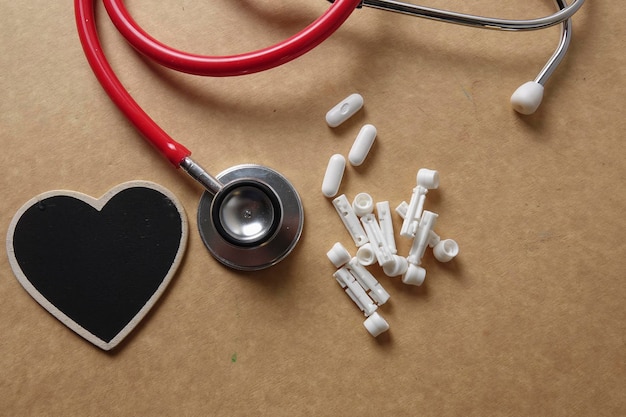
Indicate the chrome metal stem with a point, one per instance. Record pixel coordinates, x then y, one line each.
473 20
562 16
561 50
195 171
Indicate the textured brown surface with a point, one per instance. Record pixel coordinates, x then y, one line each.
528 320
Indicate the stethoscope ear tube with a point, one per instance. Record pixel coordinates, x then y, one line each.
223 66
565 12
87 31
527 98
254 61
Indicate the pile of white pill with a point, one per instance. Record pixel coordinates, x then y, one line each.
373 235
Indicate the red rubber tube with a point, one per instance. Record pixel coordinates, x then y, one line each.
240 64
251 62
87 31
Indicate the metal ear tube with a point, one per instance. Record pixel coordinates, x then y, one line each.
527 98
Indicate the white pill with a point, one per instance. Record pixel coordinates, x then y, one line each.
344 110
334 175
362 145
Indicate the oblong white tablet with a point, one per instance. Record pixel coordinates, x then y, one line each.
333 175
362 145
344 110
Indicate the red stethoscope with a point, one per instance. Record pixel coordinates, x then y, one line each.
250 216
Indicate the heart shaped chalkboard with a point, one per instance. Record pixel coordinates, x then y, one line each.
98 265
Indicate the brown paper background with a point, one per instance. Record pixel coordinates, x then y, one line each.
529 320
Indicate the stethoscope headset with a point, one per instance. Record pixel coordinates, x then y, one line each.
250 217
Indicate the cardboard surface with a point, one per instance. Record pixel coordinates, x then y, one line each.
530 319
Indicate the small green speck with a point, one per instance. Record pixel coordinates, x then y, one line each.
233 358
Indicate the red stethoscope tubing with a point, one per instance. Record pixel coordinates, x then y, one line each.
87 31
240 64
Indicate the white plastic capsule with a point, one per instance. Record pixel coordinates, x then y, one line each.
376 325
362 145
363 204
402 209
344 110
428 178
334 175
422 237
375 236
386 225
338 255
355 291
349 219
366 255
368 282
446 250
398 267
414 275
413 212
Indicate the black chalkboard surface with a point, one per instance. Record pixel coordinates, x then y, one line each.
98 265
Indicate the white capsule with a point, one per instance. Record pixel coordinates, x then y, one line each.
422 237
402 209
376 324
355 291
333 175
338 255
375 236
398 267
363 204
414 275
413 212
344 110
349 219
386 225
446 250
428 178
365 255
362 145
368 282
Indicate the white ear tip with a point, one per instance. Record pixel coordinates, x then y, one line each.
527 98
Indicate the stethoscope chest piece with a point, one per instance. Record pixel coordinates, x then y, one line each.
254 221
